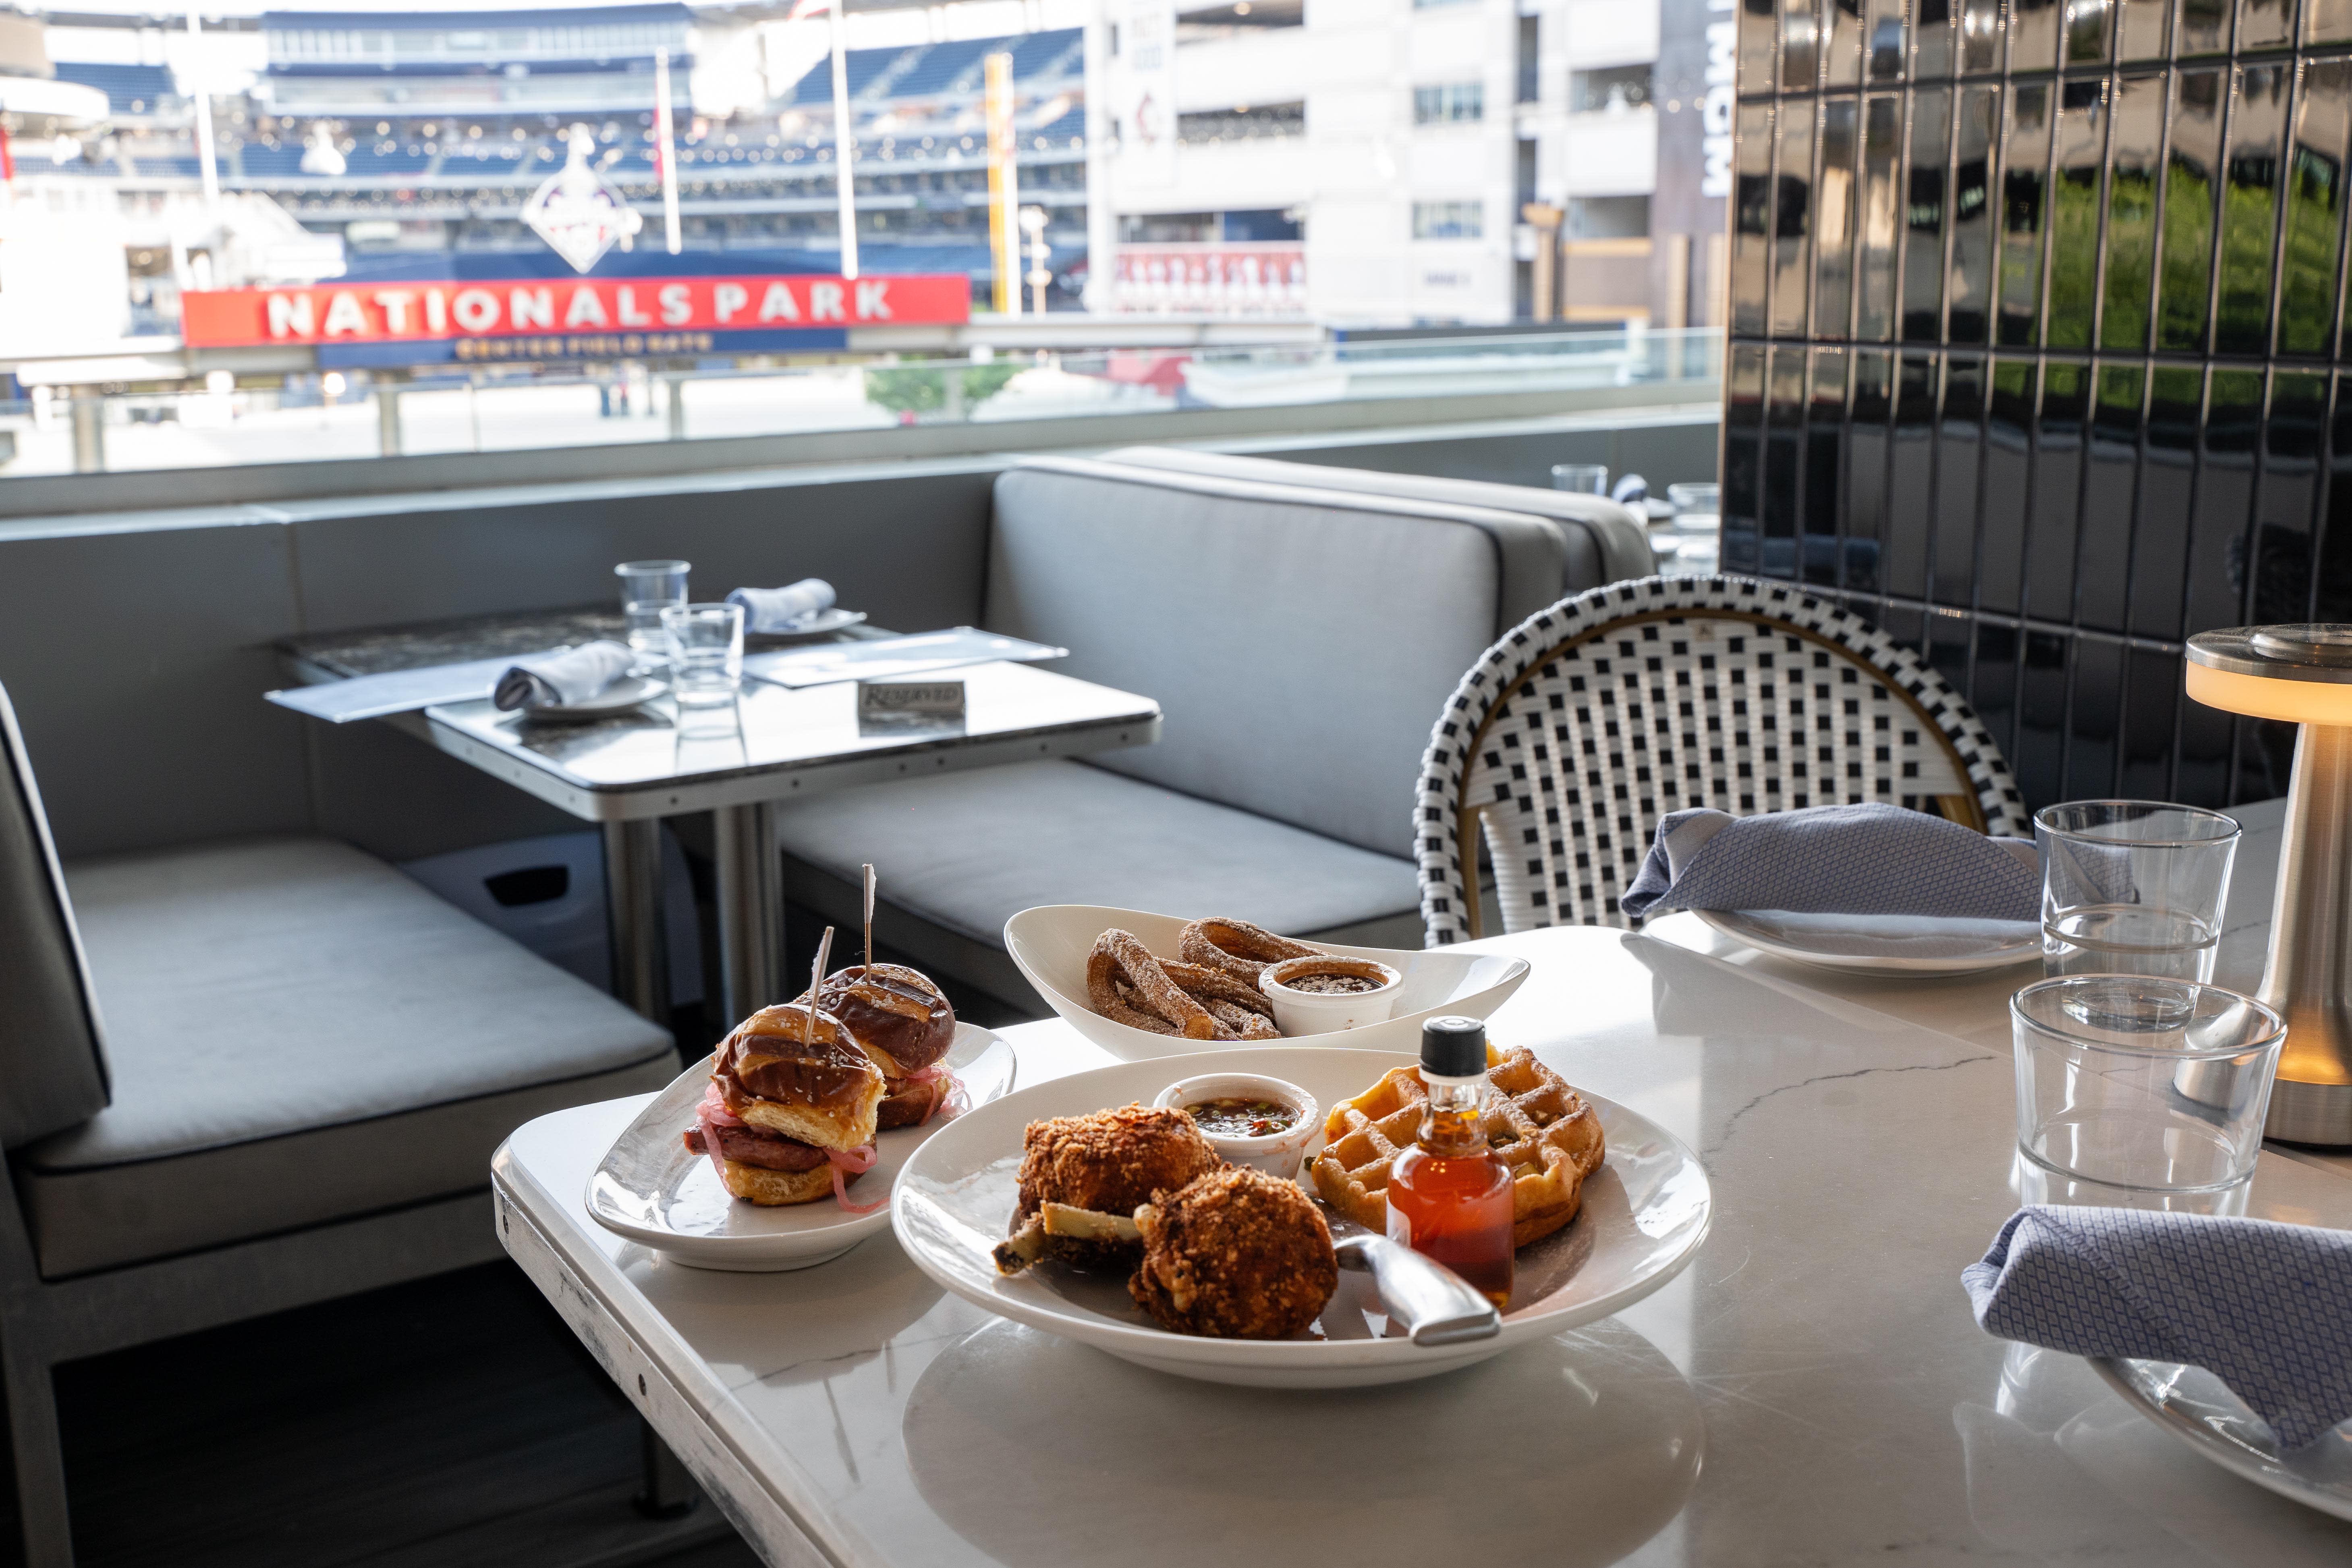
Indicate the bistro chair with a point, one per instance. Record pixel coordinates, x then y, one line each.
1593 719
241 1077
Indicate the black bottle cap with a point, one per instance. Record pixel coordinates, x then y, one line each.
1452 1046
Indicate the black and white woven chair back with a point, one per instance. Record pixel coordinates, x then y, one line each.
1593 718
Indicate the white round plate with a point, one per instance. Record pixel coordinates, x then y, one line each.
1052 942
1909 944
625 693
1645 1211
2199 1409
819 625
651 1188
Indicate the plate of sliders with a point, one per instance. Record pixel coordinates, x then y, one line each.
779 1149
1120 1209
1144 985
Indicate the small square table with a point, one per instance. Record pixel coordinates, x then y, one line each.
777 744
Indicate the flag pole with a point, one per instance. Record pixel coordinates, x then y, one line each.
1003 185
667 142
845 148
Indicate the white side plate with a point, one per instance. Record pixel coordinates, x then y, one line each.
2199 1409
1909 944
652 1189
823 623
1645 1211
1051 943
624 694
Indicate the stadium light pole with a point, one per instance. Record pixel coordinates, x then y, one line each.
1003 184
205 168
845 148
1102 219
667 142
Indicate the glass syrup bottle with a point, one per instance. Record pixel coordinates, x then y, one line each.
1449 1195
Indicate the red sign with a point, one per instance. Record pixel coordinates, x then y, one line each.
415 312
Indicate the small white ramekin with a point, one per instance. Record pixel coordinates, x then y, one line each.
1276 1154
1308 1012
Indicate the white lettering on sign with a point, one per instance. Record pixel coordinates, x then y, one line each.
776 305
676 304
585 310
475 310
436 311
1714 114
727 299
825 302
531 307
871 305
291 316
630 315
345 316
393 303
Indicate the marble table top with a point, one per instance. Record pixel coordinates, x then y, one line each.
1812 1390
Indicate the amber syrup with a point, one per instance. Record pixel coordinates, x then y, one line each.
1449 1195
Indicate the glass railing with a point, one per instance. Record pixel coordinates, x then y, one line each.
354 414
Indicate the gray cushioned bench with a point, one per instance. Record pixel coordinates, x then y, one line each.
239 1076
1298 640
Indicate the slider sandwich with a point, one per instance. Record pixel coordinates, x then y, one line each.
790 1112
904 1022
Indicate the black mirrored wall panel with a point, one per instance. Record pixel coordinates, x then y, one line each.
2041 355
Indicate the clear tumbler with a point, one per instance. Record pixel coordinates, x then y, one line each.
2132 886
648 588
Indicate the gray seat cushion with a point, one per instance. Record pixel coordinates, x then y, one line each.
299 1034
965 852
1607 543
1300 643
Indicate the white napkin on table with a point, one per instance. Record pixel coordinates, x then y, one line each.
561 680
782 609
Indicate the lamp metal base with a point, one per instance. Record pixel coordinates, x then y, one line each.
2309 975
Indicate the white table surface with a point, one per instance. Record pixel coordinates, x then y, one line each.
1812 1390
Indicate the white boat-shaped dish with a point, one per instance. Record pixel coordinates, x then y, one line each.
1645 1213
1892 944
1052 942
652 1189
2199 1409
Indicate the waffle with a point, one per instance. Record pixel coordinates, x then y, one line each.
1541 1128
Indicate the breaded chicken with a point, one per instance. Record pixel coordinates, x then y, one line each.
1110 1161
1237 1255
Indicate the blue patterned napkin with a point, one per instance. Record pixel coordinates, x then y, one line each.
559 680
2264 1307
1872 859
782 609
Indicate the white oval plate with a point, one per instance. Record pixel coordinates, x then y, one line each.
1051 943
822 623
1909 944
652 1189
629 692
1645 1211
2199 1409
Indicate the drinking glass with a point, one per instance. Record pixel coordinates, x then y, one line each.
2132 886
2135 1080
1586 478
706 653
1698 509
648 588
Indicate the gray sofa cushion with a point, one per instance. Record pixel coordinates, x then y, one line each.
1300 643
52 1064
967 851
1607 544
300 1034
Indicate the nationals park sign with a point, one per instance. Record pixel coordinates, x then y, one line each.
527 319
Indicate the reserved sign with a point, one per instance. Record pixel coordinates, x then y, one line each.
910 700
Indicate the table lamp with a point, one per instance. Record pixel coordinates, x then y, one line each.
2303 675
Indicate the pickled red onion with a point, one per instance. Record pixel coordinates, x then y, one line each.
714 1105
948 1106
856 1161
710 1139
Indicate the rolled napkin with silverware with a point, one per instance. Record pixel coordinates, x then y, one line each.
2264 1307
564 678
782 609
1867 859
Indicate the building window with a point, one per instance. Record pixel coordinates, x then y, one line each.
1449 220
1613 91
1448 103
1249 124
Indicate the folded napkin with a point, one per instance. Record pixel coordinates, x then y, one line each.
559 680
2264 1307
782 609
1872 859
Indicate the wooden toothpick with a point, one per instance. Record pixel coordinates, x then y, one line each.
870 919
816 978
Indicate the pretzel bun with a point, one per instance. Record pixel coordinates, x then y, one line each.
773 1189
895 1011
799 1071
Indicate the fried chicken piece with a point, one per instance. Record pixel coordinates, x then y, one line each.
1110 1161
1237 1255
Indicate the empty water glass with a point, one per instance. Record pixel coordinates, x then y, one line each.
2132 886
2137 1081
1585 479
1698 509
648 588
706 653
